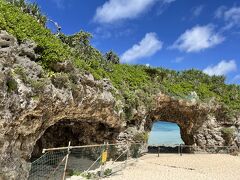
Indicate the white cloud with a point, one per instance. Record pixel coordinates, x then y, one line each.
178 59
222 68
168 1
101 32
220 11
231 16
147 47
164 5
198 38
236 78
197 10
115 10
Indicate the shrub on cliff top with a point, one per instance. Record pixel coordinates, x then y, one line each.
30 8
80 45
137 84
24 26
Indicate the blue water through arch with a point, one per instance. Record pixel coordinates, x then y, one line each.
165 133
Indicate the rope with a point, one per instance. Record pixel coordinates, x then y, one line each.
81 159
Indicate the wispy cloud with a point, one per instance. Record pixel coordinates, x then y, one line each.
222 68
102 33
231 16
147 47
106 32
115 10
178 60
236 79
196 11
164 5
168 1
198 38
219 13
59 3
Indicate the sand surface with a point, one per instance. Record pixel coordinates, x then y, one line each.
175 167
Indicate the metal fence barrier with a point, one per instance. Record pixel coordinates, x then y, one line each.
91 162
191 149
96 161
51 164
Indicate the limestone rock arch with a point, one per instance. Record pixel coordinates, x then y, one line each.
188 115
32 102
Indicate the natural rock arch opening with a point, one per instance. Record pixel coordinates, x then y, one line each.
187 137
188 115
165 133
79 132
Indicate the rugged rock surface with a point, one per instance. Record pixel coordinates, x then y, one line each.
79 133
39 109
200 123
31 102
195 119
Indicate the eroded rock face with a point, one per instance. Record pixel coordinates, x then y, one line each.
189 115
200 123
37 109
77 132
31 102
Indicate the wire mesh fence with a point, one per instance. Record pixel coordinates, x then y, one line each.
89 162
95 161
192 149
48 166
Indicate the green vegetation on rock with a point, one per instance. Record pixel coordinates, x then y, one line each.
107 172
136 85
12 85
227 134
25 27
141 137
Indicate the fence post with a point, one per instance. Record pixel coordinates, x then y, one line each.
138 151
127 154
180 149
66 162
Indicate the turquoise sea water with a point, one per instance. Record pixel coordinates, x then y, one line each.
165 133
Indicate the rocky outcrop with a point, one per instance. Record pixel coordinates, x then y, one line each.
32 101
190 115
40 109
200 123
79 132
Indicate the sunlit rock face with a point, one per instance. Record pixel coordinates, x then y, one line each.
200 123
39 110
31 102
189 115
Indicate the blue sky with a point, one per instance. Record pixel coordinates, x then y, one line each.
165 133
175 34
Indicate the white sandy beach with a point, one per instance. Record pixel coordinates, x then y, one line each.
175 167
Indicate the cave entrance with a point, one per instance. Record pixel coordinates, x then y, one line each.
78 132
165 134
